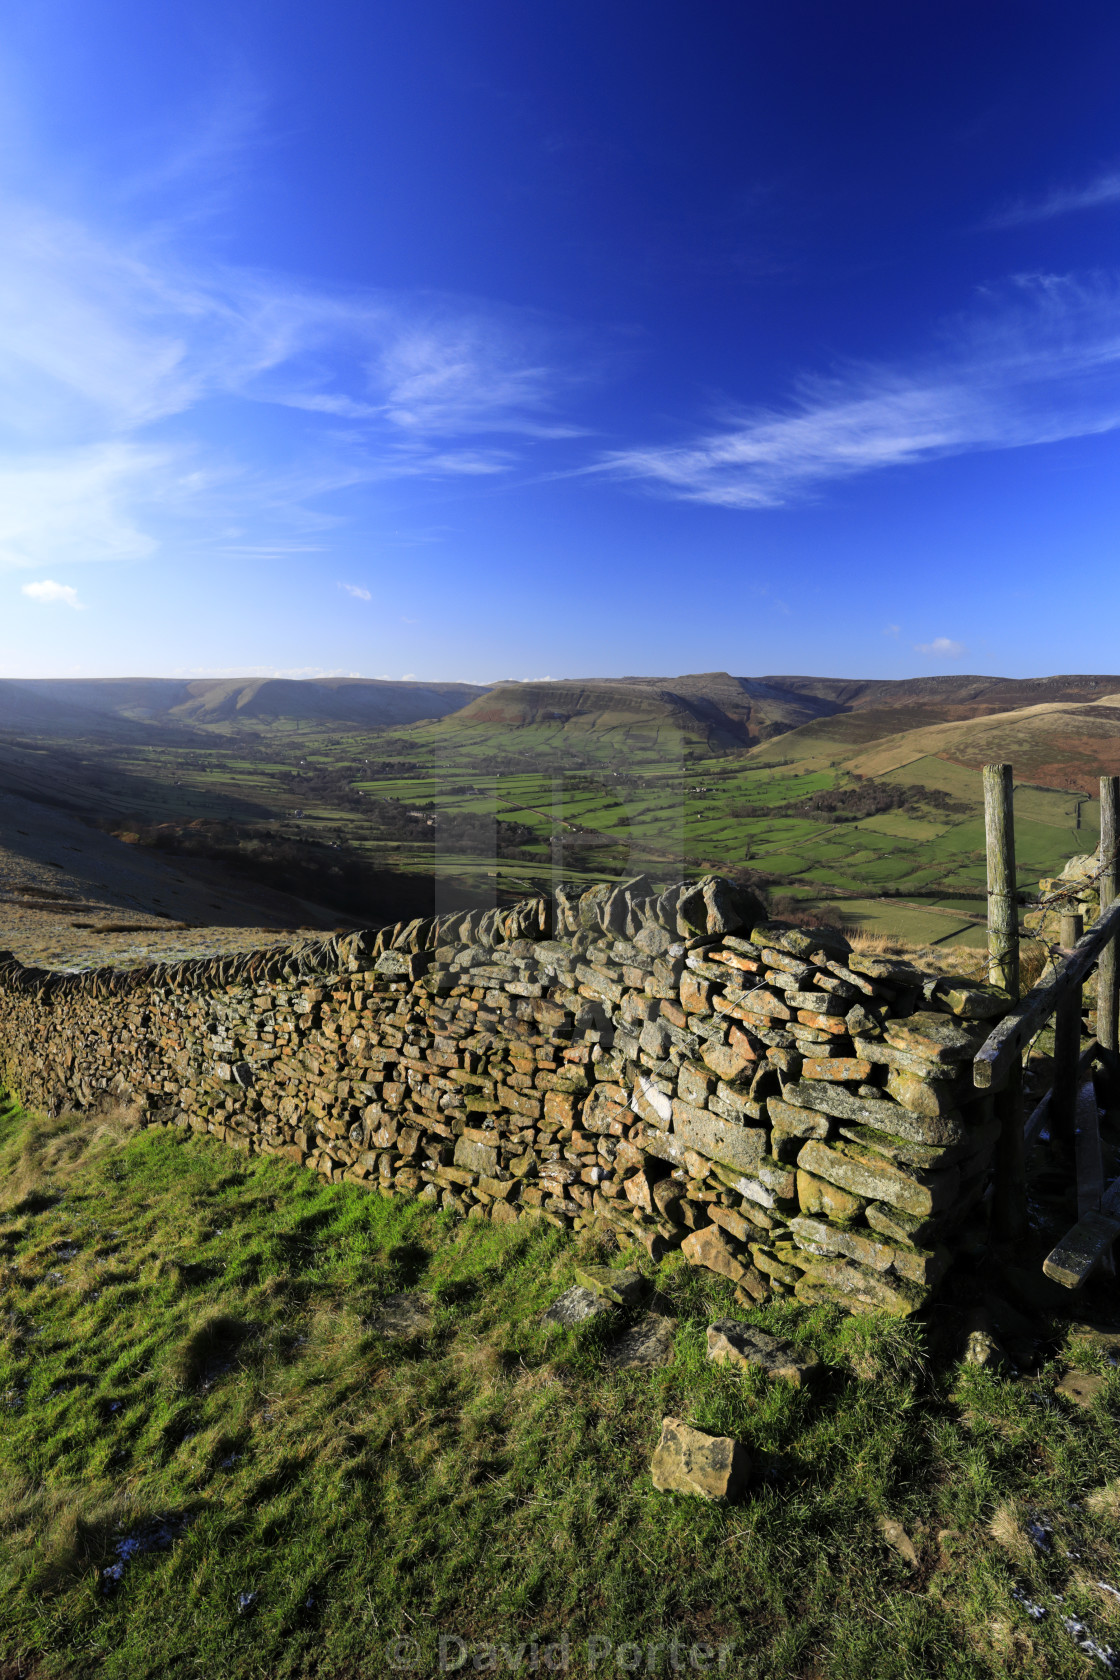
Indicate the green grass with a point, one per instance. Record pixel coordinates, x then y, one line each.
188 1342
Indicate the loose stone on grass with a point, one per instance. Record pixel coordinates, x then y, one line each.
1082 1387
981 1346
687 1460
623 1288
401 1316
731 1342
575 1306
647 1343
899 1541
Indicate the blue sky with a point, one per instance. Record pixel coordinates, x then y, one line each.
504 339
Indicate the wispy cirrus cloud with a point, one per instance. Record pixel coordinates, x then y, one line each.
1035 363
357 591
83 503
115 358
95 331
1062 201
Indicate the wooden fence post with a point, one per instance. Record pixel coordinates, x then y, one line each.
1067 1046
1003 897
1009 1192
1107 970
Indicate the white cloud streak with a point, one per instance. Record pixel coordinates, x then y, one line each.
941 648
119 336
357 591
48 594
1063 201
1036 364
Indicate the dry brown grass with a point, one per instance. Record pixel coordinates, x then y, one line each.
1105 1501
51 1149
970 962
1007 1530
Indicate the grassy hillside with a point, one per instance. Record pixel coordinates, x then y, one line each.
1062 745
216 1463
715 711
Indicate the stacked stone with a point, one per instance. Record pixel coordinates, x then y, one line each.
822 1117
1076 890
672 1068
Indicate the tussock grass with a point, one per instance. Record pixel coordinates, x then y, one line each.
969 961
214 1464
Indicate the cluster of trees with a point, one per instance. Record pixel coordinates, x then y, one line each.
868 798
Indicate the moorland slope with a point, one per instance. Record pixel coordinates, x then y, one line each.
721 711
1058 744
129 707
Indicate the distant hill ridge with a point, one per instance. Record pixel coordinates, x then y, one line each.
130 706
840 716
745 712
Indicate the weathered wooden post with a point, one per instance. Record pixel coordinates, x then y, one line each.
1067 1045
1009 1196
1108 973
1003 897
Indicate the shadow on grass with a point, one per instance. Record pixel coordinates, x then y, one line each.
210 1351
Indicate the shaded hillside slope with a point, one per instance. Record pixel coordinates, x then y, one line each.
333 700
28 709
128 707
977 693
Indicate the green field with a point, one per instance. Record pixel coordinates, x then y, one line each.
583 805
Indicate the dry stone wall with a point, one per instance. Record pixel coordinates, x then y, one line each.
673 1068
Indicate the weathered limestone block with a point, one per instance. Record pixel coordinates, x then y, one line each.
689 1461
623 1288
817 1196
846 1282
734 1343
575 1306
879 1112
902 1152
728 1061
972 1000
836 1068
937 1038
477 1157
860 1173
924 1096
738 1146
921 1266
709 1247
